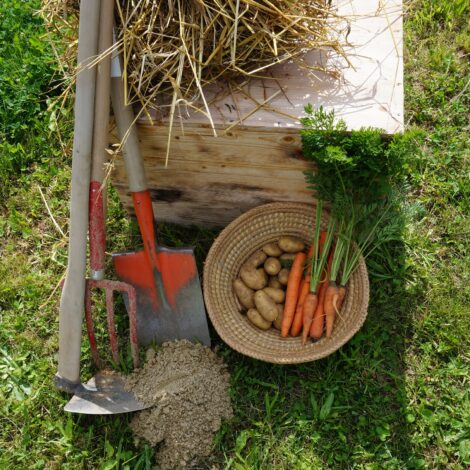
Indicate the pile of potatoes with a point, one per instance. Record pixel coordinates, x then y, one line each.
261 285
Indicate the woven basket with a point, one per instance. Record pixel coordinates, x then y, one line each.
234 245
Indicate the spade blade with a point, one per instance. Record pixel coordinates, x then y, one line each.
170 305
104 394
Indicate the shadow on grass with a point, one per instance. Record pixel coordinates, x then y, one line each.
346 410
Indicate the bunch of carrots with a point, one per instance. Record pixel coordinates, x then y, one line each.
317 283
359 175
313 297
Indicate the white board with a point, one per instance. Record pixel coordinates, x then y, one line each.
369 92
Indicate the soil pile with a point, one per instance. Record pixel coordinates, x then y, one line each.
189 386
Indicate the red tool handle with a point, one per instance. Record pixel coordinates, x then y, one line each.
144 213
145 218
96 208
125 120
97 232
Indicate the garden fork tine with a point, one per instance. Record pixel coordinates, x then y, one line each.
110 287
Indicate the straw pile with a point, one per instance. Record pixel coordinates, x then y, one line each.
174 48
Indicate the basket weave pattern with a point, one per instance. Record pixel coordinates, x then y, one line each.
234 245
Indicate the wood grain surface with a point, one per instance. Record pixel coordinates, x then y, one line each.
210 181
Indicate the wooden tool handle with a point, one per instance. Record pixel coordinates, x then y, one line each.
97 216
102 98
73 293
125 118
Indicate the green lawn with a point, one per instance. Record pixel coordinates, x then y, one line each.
396 396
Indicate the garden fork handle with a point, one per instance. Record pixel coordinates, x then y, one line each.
97 211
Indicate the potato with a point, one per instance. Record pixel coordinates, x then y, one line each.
283 276
272 249
291 244
244 293
287 260
274 282
272 266
265 306
255 260
254 278
278 321
257 320
287 257
278 295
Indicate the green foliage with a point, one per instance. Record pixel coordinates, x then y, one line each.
361 174
26 72
361 165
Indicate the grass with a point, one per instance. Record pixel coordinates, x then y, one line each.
396 396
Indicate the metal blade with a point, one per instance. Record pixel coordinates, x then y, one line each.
104 394
170 305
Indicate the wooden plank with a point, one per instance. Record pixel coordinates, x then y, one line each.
367 93
210 181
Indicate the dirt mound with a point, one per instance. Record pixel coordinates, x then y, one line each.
189 384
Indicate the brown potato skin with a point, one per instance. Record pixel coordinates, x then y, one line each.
272 266
274 282
278 321
255 260
291 244
272 249
283 276
287 260
265 306
244 293
287 257
254 278
278 295
257 320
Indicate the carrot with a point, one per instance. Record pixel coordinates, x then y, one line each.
333 305
298 317
317 266
331 299
341 296
297 323
310 305
318 323
292 293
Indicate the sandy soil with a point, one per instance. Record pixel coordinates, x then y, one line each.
189 386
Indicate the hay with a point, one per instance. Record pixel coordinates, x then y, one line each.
174 48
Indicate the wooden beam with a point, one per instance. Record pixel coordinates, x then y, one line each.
210 181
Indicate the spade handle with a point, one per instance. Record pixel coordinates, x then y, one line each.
125 121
